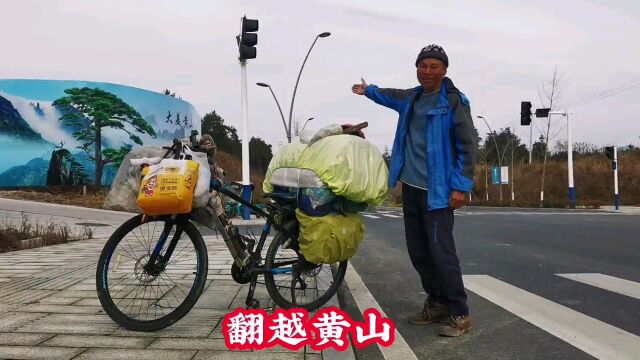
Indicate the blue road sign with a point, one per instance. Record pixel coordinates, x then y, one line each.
495 175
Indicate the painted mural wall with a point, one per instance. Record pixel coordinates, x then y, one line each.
60 132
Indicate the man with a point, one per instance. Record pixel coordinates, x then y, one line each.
434 156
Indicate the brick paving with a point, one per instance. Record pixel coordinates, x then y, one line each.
49 310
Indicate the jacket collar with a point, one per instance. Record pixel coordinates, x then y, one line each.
447 88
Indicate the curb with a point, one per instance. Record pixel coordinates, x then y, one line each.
82 208
331 353
70 207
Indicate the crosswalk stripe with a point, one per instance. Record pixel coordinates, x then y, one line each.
371 216
606 282
590 335
391 216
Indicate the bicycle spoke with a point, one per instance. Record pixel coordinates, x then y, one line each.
155 293
300 289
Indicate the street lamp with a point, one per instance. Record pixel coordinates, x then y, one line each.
305 124
287 130
497 151
321 35
513 178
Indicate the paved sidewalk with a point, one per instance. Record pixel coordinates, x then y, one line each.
49 307
633 210
49 310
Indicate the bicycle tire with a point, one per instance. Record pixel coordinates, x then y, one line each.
272 287
102 278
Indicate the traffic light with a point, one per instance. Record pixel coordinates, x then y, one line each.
525 113
608 150
542 113
248 39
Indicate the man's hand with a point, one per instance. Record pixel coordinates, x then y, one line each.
456 200
359 88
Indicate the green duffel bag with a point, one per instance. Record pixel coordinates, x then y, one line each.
330 238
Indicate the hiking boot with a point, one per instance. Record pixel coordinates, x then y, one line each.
455 326
431 313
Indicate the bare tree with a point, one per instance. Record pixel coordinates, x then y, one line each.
549 94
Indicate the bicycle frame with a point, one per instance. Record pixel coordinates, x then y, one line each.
251 263
263 236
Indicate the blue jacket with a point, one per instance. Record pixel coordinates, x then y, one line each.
451 144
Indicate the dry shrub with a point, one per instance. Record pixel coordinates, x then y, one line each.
593 180
51 233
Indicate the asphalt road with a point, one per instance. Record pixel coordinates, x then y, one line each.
511 259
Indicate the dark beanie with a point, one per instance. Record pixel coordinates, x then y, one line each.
433 51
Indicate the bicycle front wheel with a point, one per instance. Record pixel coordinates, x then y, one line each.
147 298
309 288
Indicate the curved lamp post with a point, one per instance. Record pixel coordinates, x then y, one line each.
321 35
286 129
497 150
305 124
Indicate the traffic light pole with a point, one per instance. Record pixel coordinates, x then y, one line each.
615 176
530 142
572 189
244 132
247 40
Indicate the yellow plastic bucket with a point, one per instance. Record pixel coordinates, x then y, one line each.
167 188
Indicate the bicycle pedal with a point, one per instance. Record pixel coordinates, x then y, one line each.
254 304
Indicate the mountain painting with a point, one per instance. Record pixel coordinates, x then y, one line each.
62 132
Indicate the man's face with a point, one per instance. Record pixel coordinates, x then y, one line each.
430 73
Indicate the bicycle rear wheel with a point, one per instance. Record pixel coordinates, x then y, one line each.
144 299
309 288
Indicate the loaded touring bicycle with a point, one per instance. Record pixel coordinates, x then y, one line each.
153 268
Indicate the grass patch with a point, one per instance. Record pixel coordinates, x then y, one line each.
11 233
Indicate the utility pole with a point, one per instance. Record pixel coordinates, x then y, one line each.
572 189
612 154
497 152
615 177
486 180
513 179
509 145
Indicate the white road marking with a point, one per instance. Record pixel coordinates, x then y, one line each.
610 283
371 216
590 335
392 216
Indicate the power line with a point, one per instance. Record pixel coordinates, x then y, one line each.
603 94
